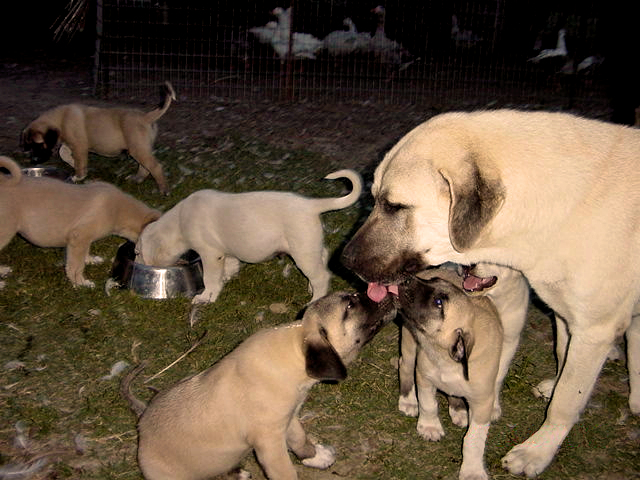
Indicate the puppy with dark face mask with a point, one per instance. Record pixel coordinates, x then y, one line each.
250 400
452 342
81 129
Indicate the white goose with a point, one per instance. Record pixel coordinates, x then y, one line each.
344 42
304 45
388 52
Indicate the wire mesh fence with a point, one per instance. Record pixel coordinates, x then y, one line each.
329 50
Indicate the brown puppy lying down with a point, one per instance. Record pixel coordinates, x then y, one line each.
250 399
52 213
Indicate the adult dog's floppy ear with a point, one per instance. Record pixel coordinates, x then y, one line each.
321 360
475 200
461 349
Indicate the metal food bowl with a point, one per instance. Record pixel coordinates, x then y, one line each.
50 172
184 278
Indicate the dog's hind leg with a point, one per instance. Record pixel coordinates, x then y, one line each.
148 164
314 267
633 364
408 400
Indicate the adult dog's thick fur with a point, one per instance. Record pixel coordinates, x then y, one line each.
52 213
104 131
229 228
452 342
206 424
552 195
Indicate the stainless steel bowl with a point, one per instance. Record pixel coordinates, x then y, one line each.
184 278
51 172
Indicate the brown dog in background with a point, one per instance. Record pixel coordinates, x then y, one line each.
105 131
53 213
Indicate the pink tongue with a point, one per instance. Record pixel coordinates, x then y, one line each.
377 292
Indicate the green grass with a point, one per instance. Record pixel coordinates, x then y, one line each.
64 341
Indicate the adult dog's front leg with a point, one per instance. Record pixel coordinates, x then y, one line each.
586 354
633 364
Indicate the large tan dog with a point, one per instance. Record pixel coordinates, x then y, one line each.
228 228
251 399
552 195
53 213
105 131
452 342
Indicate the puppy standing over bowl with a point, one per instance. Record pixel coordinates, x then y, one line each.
458 340
227 228
105 131
251 399
52 213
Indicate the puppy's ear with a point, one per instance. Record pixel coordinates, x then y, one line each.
461 349
321 359
475 200
51 138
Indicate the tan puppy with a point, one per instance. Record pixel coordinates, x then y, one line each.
250 399
229 228
451 342
105 131
52 213
552 195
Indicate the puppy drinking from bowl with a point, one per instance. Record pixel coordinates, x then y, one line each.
228 228
452 342
207 423
81 129
52 213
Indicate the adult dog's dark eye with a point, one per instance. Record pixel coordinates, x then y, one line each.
391 208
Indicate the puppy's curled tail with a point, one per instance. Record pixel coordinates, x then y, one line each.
14 170
136 405
327 204
170 95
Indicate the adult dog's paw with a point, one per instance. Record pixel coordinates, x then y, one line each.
545 388
459 417
324 457
408 405
431 431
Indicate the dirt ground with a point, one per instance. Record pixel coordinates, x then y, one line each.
355 134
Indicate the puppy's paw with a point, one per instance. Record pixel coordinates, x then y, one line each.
324 457
78 178
93 260
459 416
84 283
545 388
430 430
4 271
472 474
204 297
408 404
